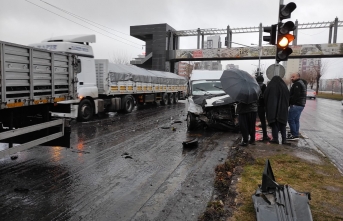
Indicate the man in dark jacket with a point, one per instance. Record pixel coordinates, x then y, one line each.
297 103
276 98
261 108
247 121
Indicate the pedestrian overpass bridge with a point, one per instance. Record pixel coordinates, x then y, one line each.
162 45
250 53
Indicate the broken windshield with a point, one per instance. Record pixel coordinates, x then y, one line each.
207 87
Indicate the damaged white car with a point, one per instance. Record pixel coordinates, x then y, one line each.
208 103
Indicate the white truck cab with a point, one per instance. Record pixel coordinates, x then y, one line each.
77 45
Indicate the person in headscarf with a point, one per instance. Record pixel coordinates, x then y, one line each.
247 121
276 99
261 108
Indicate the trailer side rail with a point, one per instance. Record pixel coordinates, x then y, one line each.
24 130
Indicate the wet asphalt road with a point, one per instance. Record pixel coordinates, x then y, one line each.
120 167
322 122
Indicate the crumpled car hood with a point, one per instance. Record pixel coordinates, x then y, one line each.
212 100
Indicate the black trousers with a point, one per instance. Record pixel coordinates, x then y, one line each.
276 127
262 117
247 123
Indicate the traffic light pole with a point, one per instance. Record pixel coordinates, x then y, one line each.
277 65
260 47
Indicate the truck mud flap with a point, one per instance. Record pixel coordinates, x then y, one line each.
273 201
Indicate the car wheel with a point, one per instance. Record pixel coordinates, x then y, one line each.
86 111
191 121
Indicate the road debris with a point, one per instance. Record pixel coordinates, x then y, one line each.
273 201
190 143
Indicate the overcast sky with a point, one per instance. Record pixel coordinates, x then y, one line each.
25 23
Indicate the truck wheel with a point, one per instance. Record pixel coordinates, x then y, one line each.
164 100
191 122
86 110
171 98
127 104
176 98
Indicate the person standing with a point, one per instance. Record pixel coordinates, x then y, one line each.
247 121
261 108
297 101
276 98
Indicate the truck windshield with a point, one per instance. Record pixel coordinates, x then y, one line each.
207 87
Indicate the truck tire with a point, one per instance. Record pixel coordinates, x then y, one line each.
127 104
171 98
176 98
164 100
191 121
86 110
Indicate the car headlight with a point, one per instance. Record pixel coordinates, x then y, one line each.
219 101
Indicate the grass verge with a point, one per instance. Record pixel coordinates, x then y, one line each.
238 178
330 96
323 181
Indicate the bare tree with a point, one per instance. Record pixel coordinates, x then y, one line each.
340 80
319 70
309 76
120 57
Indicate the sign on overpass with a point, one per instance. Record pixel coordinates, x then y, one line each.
249 53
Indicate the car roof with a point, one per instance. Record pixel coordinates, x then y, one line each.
206 75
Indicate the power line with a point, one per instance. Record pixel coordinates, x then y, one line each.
80 24
88 21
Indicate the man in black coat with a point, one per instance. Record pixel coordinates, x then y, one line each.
276 98
261 108
297 103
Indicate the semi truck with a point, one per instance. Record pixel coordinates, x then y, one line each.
31 81
103 86
45 85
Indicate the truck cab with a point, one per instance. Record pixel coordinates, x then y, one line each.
84 67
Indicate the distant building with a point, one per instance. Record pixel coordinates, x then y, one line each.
184 69
211 42
301 66
207 65
232 66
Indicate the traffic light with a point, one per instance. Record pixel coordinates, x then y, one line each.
283 34
286 10
272 38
